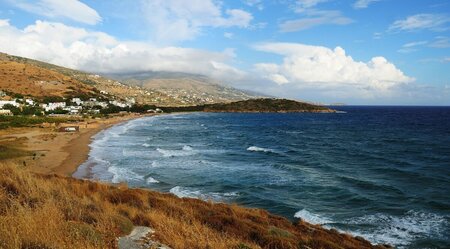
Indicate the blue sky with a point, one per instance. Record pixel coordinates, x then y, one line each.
354 51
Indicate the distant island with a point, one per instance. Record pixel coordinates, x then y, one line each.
261 105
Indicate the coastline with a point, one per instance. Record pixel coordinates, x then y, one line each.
53 152
63 153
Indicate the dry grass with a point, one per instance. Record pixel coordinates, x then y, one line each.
38 211
37 81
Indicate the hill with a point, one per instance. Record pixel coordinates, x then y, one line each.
190 89
31 79
256 105
267 105
40 211
39 79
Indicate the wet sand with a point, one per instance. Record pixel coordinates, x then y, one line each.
53 152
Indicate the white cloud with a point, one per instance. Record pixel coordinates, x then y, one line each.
178 20
315 18
70 9
411 46
441 42
433 22
306 4
362 4
322 68
414 44
97 51
312 17
4 22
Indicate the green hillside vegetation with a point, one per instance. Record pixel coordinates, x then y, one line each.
254 105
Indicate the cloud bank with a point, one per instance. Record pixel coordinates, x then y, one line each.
82 49
319 67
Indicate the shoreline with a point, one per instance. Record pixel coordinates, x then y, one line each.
73 150
53 152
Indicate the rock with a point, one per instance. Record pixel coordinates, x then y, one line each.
139 239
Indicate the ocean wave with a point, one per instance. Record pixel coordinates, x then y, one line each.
123 175
185 151
259 149
146 145
151 180
184 192
401 231
312 218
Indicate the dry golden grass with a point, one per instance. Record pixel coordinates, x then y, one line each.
38 211
36 81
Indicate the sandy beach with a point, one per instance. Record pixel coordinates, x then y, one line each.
54 152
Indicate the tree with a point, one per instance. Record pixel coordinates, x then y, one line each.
13 109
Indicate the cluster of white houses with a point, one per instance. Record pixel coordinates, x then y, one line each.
76 105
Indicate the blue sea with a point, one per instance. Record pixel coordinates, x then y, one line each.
382 173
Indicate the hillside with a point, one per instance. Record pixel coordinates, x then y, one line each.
188 88
255 105
267 105
36 81
38 211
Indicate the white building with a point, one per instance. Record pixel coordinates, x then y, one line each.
54 106
9 102
102 104
119 104
77 101
74 109
29 101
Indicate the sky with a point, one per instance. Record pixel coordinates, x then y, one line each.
374 52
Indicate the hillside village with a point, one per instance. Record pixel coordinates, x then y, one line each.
16 104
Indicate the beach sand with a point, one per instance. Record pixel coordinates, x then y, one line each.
53 152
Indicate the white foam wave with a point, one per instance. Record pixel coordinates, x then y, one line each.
259 149
146 145
184 192
401 231
187 148
185 151
151 180
312 218
123 175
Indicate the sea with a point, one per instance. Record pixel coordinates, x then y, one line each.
381 172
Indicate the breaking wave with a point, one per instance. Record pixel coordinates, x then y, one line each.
311 218
259 149
184 192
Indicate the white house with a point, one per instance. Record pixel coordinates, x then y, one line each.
29 101
77 101
74 109
9 102
54 106
119 104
